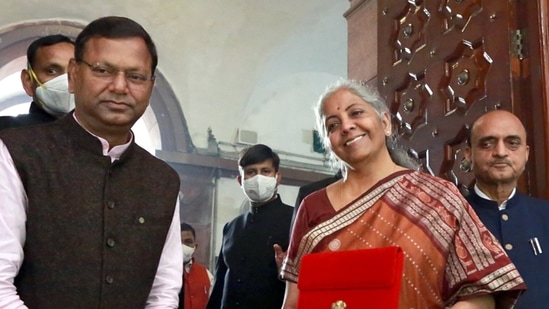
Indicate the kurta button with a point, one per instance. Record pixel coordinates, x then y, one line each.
508 247
109 279
110 242
110 204
504 217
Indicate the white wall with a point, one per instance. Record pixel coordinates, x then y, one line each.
258 65
253 64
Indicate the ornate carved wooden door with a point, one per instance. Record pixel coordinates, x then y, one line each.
441 64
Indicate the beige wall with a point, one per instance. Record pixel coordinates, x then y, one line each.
239 64
242 64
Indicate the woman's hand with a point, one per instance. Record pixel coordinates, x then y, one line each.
290 296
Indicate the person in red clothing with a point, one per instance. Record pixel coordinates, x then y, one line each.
197 279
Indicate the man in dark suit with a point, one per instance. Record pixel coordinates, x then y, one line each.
246 275
45 80
498 153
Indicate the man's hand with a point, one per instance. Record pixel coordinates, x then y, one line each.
279 256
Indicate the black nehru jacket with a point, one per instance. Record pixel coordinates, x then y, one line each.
312 187
95 229
246 275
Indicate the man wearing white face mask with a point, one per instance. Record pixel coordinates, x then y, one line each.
246 273
197 279
45 80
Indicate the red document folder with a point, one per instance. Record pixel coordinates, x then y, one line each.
358 279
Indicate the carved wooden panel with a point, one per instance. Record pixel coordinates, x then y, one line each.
441 64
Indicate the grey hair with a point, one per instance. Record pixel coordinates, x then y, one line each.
372 97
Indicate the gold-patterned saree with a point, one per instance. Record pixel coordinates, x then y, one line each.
449 254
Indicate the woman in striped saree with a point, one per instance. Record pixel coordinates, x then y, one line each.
451 259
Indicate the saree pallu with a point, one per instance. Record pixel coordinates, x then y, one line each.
449 255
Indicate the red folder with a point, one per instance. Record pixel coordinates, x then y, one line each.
358 279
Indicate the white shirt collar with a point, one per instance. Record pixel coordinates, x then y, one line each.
503 205
188 265
116 151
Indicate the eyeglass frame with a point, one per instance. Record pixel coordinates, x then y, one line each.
111 72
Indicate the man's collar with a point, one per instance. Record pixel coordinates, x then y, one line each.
486 197
116 152
257 207
188 265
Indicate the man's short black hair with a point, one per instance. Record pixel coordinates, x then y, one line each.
114 27
47 40
257 154
188 227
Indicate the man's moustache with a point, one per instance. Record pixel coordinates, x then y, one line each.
500 162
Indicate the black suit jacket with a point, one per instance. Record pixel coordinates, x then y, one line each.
246 274
35 116
312 187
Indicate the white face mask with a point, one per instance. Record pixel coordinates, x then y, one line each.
259 188
187 253
54 96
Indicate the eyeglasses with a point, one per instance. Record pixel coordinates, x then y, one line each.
108 73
